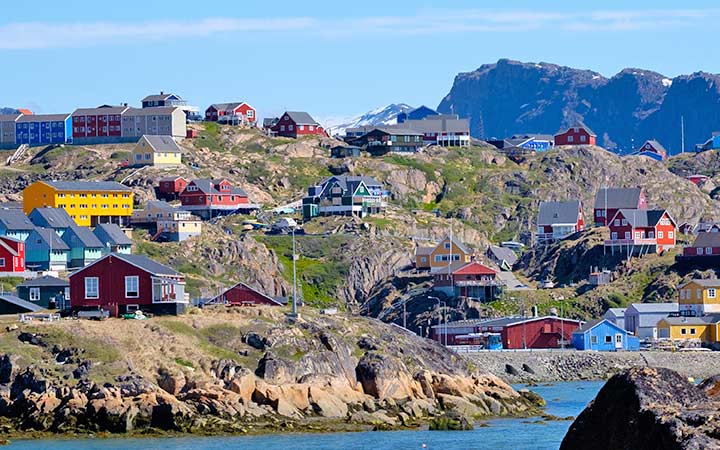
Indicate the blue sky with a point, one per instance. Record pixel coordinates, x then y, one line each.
326 57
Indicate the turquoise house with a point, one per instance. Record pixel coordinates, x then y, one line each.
15 224
85 247
44 250
604 336
56 218
113 239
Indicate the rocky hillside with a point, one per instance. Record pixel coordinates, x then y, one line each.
511 97
242 371
646 408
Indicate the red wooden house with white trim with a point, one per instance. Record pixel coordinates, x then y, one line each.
122 283
642 231
609 200
558 220
243 295
210 198
461 279
236 113
295 124
578 134
12 255
170 188
705 248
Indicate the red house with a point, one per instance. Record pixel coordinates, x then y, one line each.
642 231
12 255
609 200
237 113
210 198
122 283
243 295
578 134
469 280
171 187
706 248
652 149
95 125
696 179
295 124
515 332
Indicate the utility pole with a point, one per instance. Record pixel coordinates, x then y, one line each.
682 133
405 314
294 259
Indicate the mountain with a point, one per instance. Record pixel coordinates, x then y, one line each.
381 116
511 97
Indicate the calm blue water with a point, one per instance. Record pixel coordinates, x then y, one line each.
564 399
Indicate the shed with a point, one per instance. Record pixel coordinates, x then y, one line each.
603 335
42 290
10 304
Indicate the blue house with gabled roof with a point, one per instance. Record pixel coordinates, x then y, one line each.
43 129
15 224
56 218
604 336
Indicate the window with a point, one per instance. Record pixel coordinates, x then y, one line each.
582 138
34 294
447 246
627 235
570 138
712 293
708 250
618 338
608 339
683 331
700 251
617 222
138 157
593 340
660 234
682 294
698 294
624 222
2 262
692 330
282 127
132 288
92 285
291 127
671 235
301 127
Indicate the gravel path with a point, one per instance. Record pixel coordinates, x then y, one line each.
539 366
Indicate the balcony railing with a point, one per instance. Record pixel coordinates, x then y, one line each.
637 241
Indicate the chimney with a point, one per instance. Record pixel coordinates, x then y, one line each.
534 311
162 93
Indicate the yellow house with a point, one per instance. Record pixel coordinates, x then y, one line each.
161 151
699 297
440 255
704 328
87 202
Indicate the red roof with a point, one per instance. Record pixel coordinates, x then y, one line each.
474 268
27 112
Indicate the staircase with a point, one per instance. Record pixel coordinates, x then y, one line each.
18 155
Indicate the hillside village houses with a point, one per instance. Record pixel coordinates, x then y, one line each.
234 113
641 319
113 238
169 188
212 198
410 135
158 151
712 143
467 280
641 231
521 144
705 249
295 124
171 223
609 200
344 195
558 220
652 149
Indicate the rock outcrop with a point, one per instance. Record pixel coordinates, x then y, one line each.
648 408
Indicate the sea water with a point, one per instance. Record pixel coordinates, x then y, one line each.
563 399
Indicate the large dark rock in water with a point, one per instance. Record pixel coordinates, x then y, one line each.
647 408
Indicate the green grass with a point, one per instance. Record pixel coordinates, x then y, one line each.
206 340
427 168
184 363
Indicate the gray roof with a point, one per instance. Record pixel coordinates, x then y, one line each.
701 320
51 238
159 97
588 326
45 280
159 204
707 239
617 312
656 145
706 282
43 117
86 237
9 117
424 250
642 218
51 217
452 267
618 198
15 219
162 144
87 185
226 106
100 110
503 254
503 321
114 233
398 131
147 264
351 182
435 124
651 308
301 118
17 301
538 136
552 213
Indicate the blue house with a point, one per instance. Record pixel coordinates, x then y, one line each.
603 335
85 247
711 144
43 129
56 218
536 142
418 113
113 239
44 250
15 224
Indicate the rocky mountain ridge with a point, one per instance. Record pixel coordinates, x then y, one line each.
511 97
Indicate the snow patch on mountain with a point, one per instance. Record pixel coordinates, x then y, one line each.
386 115
667 82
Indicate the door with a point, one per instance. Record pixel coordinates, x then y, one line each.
654 333
618 341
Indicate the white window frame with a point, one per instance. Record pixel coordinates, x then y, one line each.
660 234
34 294
712 293
88 288
137 286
